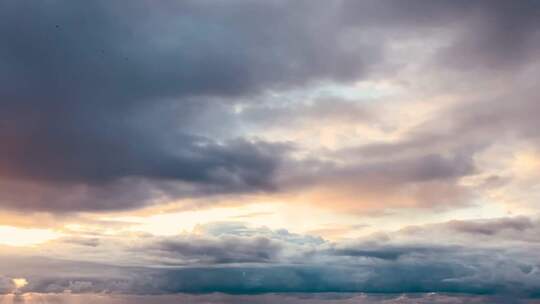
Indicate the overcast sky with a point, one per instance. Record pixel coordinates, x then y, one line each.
153 150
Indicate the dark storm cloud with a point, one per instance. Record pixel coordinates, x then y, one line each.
252 280
219 251
238 166
81 83
444 273
385 252
379 254
80 79
243 280
229 243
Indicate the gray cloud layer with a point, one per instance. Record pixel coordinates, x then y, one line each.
101 97
270 298
496 257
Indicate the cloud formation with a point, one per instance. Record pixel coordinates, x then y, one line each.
415 120
99 98
242 261
270 298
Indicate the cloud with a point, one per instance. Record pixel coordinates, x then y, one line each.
492 35
118 106
230 243
220 251
493 226
385 252
98 98
81 80
239 229
240 166
256 260
6 285
271 298
421 180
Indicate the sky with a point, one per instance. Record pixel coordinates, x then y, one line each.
242 151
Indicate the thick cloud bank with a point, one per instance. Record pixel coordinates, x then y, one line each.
496 257
271 298
102 97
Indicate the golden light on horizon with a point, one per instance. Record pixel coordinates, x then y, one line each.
13 236
20 282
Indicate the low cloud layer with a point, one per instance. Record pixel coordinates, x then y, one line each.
271 298
495 258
